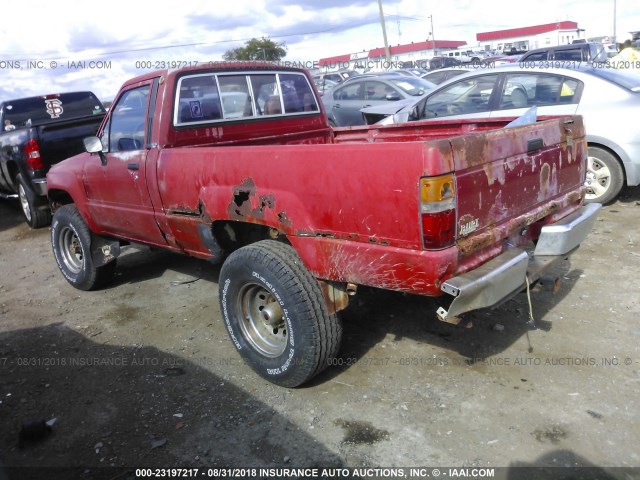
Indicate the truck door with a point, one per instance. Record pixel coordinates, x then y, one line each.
116 188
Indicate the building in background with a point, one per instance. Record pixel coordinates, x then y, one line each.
501 41
375 59
528 38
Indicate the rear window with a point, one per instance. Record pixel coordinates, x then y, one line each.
213 97
414 86
574 55
27 112
628 80
535 57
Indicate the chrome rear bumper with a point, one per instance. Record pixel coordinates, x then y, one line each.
505 275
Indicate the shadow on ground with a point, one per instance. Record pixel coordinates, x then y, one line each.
132 407
10 214
374 314
566 465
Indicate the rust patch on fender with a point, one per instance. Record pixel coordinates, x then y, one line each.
266 201
240 207
282 217
182 210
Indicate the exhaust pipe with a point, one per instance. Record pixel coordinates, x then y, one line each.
551 284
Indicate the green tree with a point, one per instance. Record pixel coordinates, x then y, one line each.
258 49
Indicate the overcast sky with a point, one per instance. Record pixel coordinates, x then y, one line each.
129 36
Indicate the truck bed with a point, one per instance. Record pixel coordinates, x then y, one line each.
507 178
509 182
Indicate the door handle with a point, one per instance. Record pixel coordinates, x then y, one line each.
534 145
133 166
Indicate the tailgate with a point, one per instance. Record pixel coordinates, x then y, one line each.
510 178
59 141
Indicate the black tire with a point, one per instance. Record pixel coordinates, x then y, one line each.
605 176
35 210
71 243
275 314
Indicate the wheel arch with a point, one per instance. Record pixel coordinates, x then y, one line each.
58 198
232 235
63 188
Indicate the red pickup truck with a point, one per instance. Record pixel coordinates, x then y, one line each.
237 162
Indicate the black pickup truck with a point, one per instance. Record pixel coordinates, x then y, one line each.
35 133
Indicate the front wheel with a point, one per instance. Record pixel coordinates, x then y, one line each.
275 314
604 176
71 243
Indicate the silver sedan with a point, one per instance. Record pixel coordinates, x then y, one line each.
609 101
343 103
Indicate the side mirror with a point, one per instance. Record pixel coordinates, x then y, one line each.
413 114
94 145
393 96
418 111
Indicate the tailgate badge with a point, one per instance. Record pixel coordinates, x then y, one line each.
469 227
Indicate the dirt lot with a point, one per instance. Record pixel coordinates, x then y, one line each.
142 374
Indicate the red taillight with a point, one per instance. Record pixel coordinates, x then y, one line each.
438 229
438 212
32 155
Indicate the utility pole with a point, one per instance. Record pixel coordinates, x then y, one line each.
433 37
614 22
384 34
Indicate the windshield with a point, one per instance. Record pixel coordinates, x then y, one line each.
628 80
413 86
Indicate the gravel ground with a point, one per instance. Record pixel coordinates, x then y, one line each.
142 373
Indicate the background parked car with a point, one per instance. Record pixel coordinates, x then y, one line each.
324 85
343 103
609 100
414 71
578 52
439 62
36 133
444 74
327 80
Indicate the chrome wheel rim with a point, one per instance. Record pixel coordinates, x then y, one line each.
598 178
24 202
262 320
71 250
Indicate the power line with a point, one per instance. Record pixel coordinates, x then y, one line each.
193 44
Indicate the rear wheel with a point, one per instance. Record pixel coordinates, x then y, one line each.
36 211
605 176
71 243
275 314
